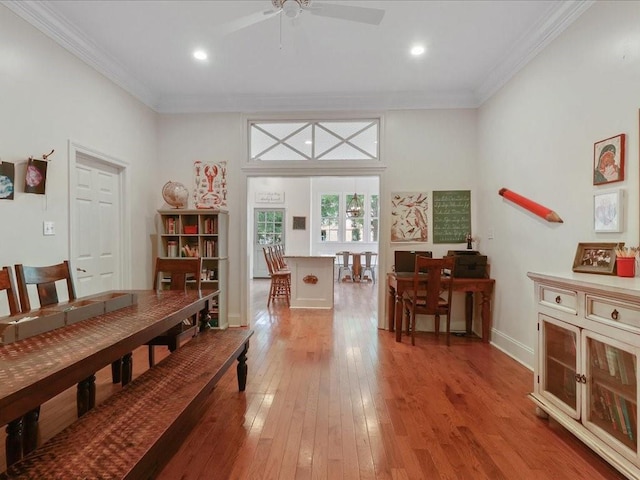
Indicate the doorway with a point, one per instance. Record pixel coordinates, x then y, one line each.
98 245
268 228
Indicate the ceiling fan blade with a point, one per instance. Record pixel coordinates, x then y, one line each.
372 16
232 26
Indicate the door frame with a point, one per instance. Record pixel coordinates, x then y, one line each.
124 185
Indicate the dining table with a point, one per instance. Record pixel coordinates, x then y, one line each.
39 367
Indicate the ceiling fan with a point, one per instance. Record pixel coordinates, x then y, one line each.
294 8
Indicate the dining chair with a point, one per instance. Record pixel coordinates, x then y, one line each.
176 274
369 265
7 284
45 279
344 265
431 277
280 278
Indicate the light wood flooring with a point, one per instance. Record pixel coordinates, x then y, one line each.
329 396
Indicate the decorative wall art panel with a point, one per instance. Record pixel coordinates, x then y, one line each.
7 180
409 217
210 189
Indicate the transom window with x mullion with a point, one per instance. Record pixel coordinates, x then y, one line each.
327 140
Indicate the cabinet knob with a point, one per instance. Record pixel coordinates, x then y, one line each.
615 314
558 300
577 377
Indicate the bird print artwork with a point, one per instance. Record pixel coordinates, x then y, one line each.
409 217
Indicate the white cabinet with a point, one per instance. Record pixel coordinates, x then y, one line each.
202 233
586 367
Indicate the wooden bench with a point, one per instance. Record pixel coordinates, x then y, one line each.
133 433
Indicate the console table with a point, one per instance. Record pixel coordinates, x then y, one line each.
399 282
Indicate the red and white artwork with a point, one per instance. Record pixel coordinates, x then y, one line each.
210 190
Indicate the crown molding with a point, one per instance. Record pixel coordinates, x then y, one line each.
45 19
559 16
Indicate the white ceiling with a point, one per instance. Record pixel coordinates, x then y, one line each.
473 48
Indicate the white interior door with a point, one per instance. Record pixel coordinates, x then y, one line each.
97 252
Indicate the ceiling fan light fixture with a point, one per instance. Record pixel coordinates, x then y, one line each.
291 8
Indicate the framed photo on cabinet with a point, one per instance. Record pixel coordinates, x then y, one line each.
608 160
608 208
596 258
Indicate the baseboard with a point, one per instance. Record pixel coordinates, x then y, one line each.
520 352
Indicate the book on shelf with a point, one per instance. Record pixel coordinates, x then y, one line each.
211 225
612 359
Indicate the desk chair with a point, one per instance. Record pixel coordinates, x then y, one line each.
45 278
425 296
370 265
178 273
280 278
343 264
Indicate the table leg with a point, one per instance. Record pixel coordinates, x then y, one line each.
127 368
398 317
30 441
86 395
13 443
468 311
391 305
486 317
242 368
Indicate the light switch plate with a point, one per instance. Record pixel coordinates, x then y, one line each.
49 228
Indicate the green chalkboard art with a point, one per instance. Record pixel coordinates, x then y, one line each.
451 216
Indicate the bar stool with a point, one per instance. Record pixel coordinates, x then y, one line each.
343 264
370 265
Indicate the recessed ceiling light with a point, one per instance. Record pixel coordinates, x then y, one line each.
417 50
200 55
308 142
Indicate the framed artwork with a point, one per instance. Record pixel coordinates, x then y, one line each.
210 184
35 179
608 160
409 217
608 210
596 258
299 223
7 180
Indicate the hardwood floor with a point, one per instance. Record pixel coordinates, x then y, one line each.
329 396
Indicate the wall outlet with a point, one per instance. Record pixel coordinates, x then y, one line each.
49 228
490 234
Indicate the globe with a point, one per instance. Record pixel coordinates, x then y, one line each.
175 194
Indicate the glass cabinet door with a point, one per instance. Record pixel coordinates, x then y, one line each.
611 399
559 360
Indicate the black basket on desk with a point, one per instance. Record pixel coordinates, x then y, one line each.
469 264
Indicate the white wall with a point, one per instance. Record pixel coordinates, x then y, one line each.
47 98
536 138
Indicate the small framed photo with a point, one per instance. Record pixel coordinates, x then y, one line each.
608 160
608 210
596 258
299 223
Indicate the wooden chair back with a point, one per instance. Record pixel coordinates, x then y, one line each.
45 279
6 283
429 282
179 270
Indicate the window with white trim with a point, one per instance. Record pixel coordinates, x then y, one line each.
337 225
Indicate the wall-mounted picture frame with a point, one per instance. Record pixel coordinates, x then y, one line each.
299 223
596 258
608 210
608 160
7 180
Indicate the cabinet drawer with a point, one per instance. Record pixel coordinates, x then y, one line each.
613 312
558 299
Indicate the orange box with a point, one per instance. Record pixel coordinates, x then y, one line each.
190 229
